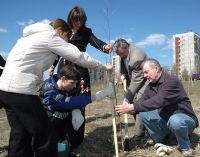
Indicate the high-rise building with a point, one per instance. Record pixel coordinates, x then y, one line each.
186 53
116 62
96 74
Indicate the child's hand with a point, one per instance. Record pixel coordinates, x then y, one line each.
51 70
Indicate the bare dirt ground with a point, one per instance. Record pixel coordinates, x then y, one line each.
99 130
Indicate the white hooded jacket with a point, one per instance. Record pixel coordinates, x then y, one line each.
33 54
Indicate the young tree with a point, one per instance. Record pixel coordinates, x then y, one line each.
185 75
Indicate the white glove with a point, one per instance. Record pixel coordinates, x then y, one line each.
162 149
108 92
77 119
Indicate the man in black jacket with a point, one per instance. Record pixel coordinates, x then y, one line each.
164 107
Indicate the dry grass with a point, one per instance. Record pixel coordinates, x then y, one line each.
4 132
99 130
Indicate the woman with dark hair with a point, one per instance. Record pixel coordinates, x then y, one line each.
81 37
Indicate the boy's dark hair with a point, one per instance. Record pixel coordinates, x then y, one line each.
70 72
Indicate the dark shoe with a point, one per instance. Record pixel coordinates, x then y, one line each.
73 154
165 140
169 139
137 138
127 145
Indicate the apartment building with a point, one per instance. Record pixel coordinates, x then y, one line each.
96 74
186 53
116 62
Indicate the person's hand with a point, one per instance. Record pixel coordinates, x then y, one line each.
51 70
108 48
125 108
109 67
122 77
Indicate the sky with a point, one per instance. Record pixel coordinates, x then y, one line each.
149 24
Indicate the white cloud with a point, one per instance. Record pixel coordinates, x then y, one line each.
112 41
169 45
31 21
45 21
25 23
150 40
164 56
3 30
153 39
128 38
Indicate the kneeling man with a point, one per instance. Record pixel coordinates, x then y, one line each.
164 107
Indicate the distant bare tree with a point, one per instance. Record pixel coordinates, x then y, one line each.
166 69
185 75
174 71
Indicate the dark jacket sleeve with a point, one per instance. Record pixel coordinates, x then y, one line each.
97 43
57 102
2 61
56 61
167 94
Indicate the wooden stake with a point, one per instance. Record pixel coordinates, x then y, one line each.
126 140
114 119
115 130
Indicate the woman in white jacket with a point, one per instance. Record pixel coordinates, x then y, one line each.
31 132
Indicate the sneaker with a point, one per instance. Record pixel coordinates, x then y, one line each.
149 141
188 153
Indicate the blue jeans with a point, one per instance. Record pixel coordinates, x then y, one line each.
180 124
